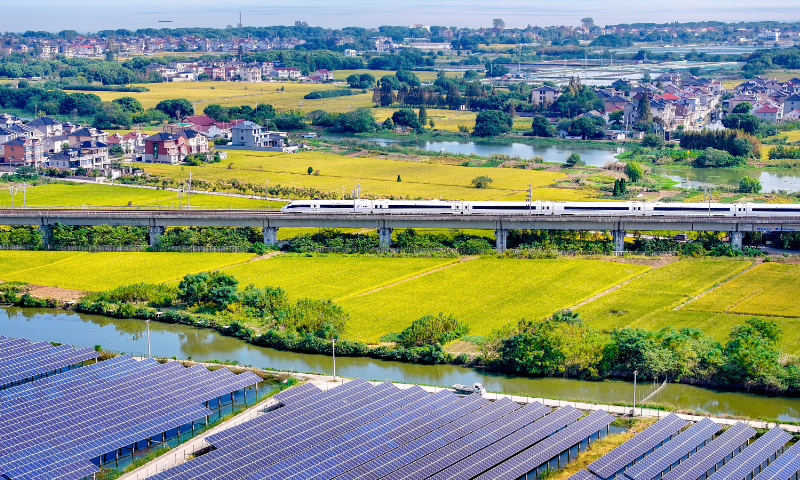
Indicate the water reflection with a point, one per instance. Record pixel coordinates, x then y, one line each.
167 340
773 180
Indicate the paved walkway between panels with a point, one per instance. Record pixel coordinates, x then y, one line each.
181 453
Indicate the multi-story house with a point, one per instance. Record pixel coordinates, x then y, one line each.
165 147
23 151
87 134
91 155
47 126
544 94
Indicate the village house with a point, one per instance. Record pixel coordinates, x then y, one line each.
165 147
23 151
545 94
91 155
47 126
87 134
772 113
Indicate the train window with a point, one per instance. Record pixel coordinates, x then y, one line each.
299 206
571 207
776 209
500 207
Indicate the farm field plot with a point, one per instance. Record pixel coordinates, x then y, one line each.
376 176
774 282
16 261
333 277
424 76
443 119
719 325
652 294
103 271
80 194
230 94
485 293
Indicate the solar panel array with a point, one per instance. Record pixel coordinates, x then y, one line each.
753 457
363 431
786 467
584 475
22 360
637 447
707 459
54 427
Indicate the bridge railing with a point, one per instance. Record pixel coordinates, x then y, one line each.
129 248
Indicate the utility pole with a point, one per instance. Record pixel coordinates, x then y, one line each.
265 188
188 190
148 337
633 410
530 198
333 352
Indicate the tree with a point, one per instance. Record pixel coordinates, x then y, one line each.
617 116
398 179
409 78
492 123
643 112
577 99
512 110
749 185
432 124
177 108
481 182
217 112
215 288
365 80
498 23
423 116
646 78
310 170
651 140
574 160
406 117
744 107
742 121
495 69
542 127
587 22
129 104
634 171
388 124
359 120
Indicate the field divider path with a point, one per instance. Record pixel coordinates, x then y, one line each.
752 266
612 289
414 276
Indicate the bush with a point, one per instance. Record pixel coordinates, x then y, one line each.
491 123
481 182
328 94
634 171
574 160
430 330
651 140
750 185
712 157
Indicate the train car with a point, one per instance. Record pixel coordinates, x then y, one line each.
699 209
416 207
324 206
770 209
598 208
508 208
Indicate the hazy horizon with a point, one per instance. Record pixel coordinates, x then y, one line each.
92 16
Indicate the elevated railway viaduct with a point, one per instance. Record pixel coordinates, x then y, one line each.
384 223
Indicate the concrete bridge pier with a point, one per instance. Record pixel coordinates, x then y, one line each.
46 231
736 239
385 237
155 234
501 239
270 235
619 240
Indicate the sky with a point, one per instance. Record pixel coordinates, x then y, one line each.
93 15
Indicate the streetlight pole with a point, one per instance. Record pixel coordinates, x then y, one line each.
148 337
188 190
265 188
633 410
333 352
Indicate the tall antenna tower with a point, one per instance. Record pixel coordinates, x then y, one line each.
240 20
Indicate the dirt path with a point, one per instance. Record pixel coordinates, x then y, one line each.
60 294
414 277
754 265
619 285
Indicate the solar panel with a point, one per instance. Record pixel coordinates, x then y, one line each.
712 454
753 457
584 475
506 447
640 445
301 391
550 448
684 444
52 427
785 467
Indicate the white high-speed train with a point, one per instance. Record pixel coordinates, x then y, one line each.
406 207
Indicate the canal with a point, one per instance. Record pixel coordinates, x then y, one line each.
185 342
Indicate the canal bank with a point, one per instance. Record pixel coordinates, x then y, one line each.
182 341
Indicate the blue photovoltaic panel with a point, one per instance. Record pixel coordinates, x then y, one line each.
748 461
712 454
785 467
550 448
301 391
52 428
684 444
641 444
584 475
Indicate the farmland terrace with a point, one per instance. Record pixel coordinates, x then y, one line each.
384 223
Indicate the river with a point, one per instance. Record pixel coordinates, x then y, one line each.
186 342
787 179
